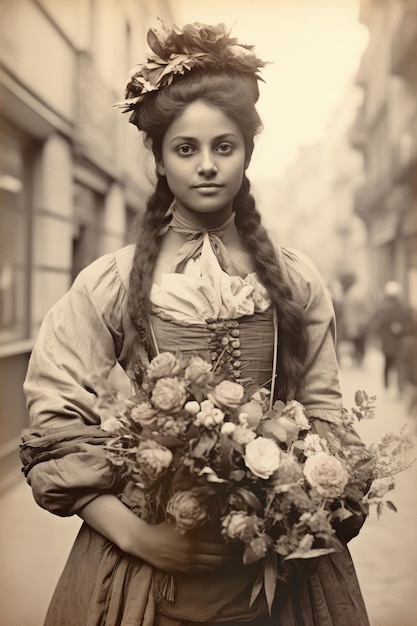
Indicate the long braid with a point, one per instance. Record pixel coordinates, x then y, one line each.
146 252
292 342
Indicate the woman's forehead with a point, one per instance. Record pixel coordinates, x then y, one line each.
202 119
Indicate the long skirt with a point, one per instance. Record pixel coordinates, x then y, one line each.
102 586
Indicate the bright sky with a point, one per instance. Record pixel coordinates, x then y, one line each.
315 47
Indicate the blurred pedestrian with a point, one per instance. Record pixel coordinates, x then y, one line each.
336 293
356 315
394 325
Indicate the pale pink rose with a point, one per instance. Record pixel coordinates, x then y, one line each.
227 394
326 474
169 394
163 365
153 460
239 525
143 414
199 371
262 457
186 510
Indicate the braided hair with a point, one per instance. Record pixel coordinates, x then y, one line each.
235 94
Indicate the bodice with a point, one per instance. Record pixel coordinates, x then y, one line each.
246 344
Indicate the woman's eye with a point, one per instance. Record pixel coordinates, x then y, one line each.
225 148
185 150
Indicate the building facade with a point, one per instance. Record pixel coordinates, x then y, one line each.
73 172
385 130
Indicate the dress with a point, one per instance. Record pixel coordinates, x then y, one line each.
67 468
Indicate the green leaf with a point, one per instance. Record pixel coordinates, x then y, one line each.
251 556
270 578
309 554
249 498
273 428
225 454
257 587
204 445
391 506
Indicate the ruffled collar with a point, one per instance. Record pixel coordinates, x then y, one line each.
204 282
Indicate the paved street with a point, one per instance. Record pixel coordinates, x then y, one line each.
34 543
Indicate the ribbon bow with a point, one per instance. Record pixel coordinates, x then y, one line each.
196 234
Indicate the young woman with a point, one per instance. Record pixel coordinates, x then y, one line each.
201 257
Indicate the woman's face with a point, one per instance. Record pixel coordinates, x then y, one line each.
203 159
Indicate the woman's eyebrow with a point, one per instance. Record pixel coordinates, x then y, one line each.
217 138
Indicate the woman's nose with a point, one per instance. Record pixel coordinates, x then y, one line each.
207 166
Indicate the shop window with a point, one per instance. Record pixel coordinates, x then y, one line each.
88 215
15 197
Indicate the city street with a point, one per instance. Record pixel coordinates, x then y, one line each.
34 543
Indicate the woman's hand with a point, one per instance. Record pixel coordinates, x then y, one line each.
166 549
161 545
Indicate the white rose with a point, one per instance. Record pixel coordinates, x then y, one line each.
262 457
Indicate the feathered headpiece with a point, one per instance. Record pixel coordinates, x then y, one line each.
177 51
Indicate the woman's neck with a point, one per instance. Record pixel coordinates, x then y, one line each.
209 220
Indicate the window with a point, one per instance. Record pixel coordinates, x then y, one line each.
15 197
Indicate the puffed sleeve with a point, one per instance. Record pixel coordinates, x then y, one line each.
321 395
81 335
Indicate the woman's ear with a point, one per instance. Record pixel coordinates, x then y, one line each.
249 151
160 168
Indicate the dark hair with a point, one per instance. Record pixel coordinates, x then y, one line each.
235 94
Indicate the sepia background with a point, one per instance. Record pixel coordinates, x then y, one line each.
334 174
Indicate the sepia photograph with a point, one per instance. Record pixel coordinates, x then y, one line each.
208 312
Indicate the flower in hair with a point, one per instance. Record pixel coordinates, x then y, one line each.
176 51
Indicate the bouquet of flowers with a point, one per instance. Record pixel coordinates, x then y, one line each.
210 451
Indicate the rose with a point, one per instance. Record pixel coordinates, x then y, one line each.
153 460
169 394
313 444
199 371
243 435
143 414
171 426
262 457
326 474
163 365
227 394
238 525
186 510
